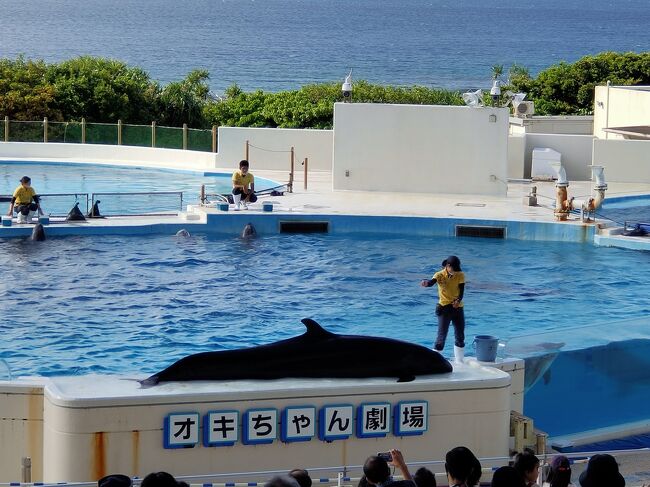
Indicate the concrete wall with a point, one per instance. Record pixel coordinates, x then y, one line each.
625 161
275 145
555 124
517 156
421 149
620 107
576 153
109 154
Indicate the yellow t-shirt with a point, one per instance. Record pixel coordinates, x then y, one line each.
24 195
238 179
448 286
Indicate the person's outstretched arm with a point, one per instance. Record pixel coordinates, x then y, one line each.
427 282
398 461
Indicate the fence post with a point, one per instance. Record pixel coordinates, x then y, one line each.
45 130
6 128
184 136
26 470
83 130
246 151
214 138
305 163
119 132
291 173
153 134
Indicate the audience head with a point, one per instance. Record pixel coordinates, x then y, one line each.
424 477
115 480
460 464
560 473
527 464
243 164
302 476
363 482
376 470
159 479
282 481
602 471
475 476
507 477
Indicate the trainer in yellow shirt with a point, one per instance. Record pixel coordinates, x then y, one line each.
451 288
25 201
243 186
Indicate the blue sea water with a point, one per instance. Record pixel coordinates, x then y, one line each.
283 44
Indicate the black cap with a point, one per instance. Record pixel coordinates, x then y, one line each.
115 480
453 261
602 471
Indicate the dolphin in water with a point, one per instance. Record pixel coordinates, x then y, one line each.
183 233
38 233
317 353
248 231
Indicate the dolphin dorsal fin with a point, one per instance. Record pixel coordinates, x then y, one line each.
314 330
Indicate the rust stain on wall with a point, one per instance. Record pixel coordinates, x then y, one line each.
99 455
135 448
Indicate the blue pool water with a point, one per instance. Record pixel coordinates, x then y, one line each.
628 209
134 305
89 178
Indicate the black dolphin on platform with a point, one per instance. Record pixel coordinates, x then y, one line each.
317 353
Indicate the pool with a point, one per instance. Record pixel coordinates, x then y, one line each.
76 179
133 305
633 209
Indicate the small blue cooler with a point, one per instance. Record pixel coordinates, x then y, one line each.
44 220
6 221
223 206
267 206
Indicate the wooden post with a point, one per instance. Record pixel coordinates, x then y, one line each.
184 136
7 128
306 162
45 130
153 134
119 132
214 138
291 172
247 151
83 130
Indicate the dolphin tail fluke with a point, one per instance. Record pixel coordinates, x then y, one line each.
149 382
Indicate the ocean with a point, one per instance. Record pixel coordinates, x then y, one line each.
275 45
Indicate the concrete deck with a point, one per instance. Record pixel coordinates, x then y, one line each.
435 214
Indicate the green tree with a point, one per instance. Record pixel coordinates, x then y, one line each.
103 90
183 101
568 89
25 93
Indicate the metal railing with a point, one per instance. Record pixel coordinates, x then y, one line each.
109 134
148 202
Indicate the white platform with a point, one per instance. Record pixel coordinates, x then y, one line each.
81 428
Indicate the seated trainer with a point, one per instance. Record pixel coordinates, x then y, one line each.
25 201
243 186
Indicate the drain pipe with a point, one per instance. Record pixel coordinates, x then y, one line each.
588 207
564 204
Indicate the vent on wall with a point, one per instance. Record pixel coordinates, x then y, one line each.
304 227
480 231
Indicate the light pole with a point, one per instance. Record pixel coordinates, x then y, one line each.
346 88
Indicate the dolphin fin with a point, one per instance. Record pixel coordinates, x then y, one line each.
314 330
406 378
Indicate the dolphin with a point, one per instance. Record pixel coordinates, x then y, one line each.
317 353
183 233
248 231
38 233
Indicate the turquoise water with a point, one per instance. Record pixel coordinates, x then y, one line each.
89 178
281 44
